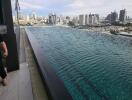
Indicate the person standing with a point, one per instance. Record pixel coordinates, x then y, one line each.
3 53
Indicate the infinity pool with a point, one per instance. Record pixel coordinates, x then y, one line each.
93 66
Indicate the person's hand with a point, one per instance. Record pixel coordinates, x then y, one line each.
5 54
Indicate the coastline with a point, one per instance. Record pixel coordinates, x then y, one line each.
108 33
103 30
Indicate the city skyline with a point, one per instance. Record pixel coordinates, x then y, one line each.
74 7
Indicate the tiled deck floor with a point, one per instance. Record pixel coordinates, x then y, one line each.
19 87
26 83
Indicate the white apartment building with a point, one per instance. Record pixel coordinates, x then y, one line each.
93 19
86 19
14 18
27 18
81 19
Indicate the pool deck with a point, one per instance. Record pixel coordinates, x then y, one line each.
25 83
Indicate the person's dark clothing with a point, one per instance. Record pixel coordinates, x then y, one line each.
2 70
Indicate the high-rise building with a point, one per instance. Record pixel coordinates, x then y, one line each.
93 19
122 16
112 18
86 19
90 19
108 18
61 19
97 18
52 18
75 20
34 15
81 19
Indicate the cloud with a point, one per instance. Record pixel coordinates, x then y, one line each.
102 7
25 5
86 3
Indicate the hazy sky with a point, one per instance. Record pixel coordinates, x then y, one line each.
75 7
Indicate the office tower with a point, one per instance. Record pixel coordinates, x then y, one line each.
122 16
112 18
52 18
90 19
93 19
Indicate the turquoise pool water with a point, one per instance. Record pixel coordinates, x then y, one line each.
93 66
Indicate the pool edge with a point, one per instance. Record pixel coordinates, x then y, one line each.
55 87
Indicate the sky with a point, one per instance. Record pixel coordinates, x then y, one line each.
74 7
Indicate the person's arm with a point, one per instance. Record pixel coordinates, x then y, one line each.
5 50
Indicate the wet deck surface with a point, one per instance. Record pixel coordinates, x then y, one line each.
26 83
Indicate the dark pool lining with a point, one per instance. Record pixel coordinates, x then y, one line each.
94 88
55 87
87 80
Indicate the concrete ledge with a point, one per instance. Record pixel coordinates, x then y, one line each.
55 87
125 34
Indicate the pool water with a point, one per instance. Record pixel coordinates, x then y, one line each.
93 66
